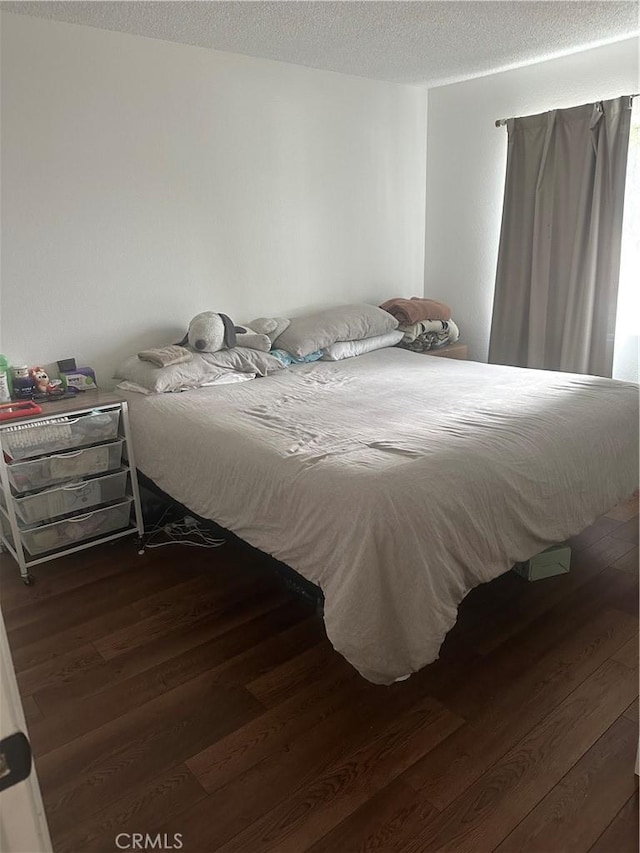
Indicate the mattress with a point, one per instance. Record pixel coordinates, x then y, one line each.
395 481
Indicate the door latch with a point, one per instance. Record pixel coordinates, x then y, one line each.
15 760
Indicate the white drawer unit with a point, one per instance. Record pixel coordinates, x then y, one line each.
68 479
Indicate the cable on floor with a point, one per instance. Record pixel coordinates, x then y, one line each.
189 531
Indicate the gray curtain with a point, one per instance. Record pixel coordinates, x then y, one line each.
559 257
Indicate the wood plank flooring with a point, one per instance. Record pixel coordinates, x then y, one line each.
187 692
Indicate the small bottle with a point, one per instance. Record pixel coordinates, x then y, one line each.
24 385
5 380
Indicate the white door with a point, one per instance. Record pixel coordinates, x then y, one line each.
23 826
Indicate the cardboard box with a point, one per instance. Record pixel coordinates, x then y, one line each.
555 560
80 379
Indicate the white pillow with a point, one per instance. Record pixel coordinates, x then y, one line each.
317 331
176 377
243 360
229 378
348 349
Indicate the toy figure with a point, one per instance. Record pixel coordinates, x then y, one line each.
44 385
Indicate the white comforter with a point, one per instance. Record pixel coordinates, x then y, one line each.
395 481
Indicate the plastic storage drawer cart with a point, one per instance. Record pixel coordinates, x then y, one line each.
68 479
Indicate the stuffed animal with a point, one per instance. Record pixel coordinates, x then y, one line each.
271 326
210 332
43 384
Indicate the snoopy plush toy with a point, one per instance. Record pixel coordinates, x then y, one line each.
210 332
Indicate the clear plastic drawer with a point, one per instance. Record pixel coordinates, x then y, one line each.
40 473
72 497
36 438
71 531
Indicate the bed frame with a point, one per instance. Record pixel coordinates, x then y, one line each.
291 580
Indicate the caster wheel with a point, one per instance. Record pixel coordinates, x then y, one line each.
28 580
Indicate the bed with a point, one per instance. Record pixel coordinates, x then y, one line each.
394 481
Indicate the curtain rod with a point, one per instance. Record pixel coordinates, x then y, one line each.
500 122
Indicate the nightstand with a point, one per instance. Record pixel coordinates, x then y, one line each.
450 351
67 479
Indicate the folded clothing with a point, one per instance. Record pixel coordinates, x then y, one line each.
422 337
410 333
166 356
416 309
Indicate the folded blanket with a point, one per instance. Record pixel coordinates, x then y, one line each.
415 329
433 334
416 309
165 356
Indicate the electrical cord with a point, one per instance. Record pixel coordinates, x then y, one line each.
189 532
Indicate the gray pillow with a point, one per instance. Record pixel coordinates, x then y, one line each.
176 377
244 360
345 323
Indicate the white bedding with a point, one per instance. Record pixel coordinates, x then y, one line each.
395 481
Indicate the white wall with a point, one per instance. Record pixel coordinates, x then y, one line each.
466 161
144 181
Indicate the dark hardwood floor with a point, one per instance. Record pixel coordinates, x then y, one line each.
186 692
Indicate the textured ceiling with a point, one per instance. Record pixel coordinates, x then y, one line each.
405 42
